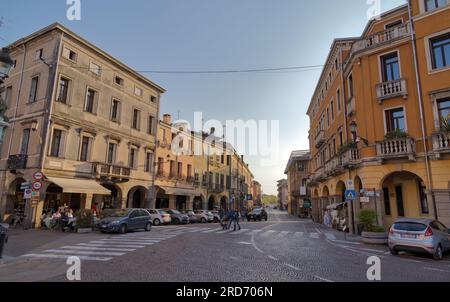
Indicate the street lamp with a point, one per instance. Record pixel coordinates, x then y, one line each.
354 131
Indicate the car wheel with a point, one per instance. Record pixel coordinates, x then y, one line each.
248 219
203 220
148 227
176 221
438 255
123 229
216 220
393 252
156 222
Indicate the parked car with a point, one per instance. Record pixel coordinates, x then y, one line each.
167 219
178 217
257 214
216 216
204 216
425 236
193 218
123 220
157 218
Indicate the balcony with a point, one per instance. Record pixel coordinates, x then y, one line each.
351 106
391 89
319 175
320 138
382 38
17 162
441 143
350 158
217 188
101 170
396 148
333 166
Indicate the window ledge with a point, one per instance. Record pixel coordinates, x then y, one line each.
438 70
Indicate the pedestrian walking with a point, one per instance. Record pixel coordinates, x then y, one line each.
235 221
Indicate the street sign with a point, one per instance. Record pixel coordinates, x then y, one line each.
37 186
364 199
27 194
34 194
350 185
38 176
25 186
350 195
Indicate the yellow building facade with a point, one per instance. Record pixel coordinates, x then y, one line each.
378 119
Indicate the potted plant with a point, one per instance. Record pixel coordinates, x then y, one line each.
372 233
346 147
396 134
85 221
445 124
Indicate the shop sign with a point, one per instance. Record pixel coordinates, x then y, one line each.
364 199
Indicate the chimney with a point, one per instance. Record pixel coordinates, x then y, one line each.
167 118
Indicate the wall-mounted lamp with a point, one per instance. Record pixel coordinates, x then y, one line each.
354 131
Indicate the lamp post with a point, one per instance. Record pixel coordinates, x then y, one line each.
6 63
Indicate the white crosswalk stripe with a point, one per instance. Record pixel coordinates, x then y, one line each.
314 235
52 256
242 231
254 232
111 244
268 233
213 230
87 253
330 236
299 234
131 242
283 234
92 248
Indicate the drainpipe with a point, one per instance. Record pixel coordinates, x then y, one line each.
155 131
422 117
49 108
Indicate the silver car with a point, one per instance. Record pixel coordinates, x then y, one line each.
157 218
419 236
204 216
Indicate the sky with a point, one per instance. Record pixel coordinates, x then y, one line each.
186 35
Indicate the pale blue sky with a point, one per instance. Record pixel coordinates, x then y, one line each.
214 34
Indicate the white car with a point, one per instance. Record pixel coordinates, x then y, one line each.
157 218
166 219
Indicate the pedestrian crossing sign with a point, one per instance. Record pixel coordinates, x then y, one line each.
350 195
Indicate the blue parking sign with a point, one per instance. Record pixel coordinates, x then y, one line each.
350 195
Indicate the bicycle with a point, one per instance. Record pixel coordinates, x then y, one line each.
18 218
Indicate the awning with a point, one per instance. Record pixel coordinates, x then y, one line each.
180 191
334 206
84 186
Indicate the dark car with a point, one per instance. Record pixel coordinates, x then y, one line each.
123 220
178 217
257 214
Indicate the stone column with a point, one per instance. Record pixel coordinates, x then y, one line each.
172 201
88 202
189 202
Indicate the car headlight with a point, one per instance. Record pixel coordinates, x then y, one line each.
114 223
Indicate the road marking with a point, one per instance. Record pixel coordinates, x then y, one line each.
246 243
318 231
436 270
87 258
291 266
299 234
223 232
125 242
197 229
323 279
268 233
240 231
373 250
213 230
347 242
272 257
92 248
254 232
134 239
314 235
330 236
74 253
111 244
142 238
282 234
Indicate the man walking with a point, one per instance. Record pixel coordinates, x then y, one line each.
235 218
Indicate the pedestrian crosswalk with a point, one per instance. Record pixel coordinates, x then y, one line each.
107 248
